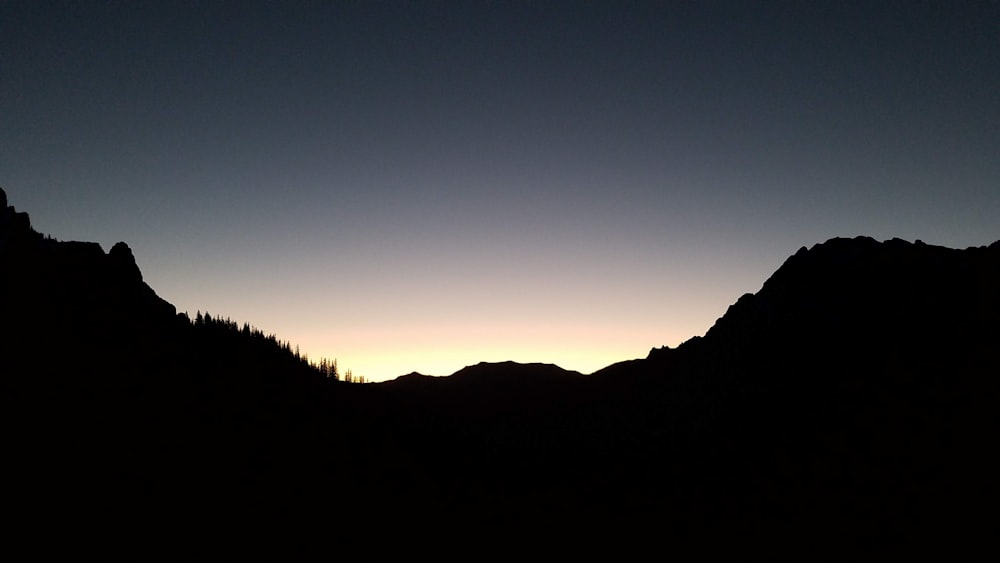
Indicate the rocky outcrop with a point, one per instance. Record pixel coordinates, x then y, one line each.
123 263
74 296
15 228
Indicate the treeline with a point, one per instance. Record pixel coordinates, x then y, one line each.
247 337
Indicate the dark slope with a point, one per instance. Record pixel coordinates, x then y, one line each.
858 297
113 395
853 394
855 391
853 397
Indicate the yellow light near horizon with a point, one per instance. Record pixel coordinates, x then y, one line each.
446 362
383 355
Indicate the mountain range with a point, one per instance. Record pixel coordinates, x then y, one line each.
852 398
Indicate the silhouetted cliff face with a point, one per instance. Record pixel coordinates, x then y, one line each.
66 303
15 228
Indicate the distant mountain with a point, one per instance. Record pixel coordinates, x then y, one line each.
500 372
851 400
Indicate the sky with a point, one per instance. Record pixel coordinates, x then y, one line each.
421 186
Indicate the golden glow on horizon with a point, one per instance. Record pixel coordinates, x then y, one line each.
384 355
386 329
381 327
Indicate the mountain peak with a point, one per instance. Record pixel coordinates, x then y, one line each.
123 261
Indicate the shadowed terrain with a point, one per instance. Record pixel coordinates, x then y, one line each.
854 396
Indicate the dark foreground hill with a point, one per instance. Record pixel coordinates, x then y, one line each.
852 399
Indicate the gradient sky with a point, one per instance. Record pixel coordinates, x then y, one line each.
426 185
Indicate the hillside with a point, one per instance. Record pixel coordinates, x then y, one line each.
853 396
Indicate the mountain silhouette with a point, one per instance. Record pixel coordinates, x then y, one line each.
851 399
858 381
113 394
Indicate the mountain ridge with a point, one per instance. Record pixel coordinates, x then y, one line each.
488 370
852 396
